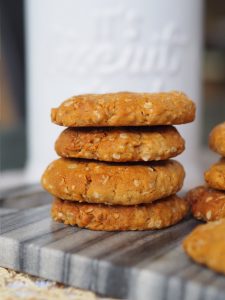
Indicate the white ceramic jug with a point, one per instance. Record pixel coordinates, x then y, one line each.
82 46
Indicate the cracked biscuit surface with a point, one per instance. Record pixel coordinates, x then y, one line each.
206 204
217 139
125 109
206 245
215 176
160 214
111 183
120 144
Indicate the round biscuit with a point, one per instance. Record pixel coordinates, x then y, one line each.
217 139
206 245
125 109
206 204
160 214
215 176
120 144
111 183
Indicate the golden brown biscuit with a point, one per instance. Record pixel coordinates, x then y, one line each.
158 215
110 183
120 144
207 204
206 245
215 176
217 139
125 109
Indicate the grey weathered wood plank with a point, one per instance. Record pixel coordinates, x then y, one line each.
134 265
7 211
20 190
24 197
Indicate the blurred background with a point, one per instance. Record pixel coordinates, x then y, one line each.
15 94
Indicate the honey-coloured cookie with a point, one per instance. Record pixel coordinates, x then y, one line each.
112 183
206 204
215 176
217 139
206 245
125 109
120 144
160 214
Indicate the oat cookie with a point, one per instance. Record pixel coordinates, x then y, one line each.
215 176
111 183
120 144
161 214
206 245
125 109
207 204
217 139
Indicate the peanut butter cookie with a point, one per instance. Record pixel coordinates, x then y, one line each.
125 109
206 245
157 215
217 139
120 144
111 183
207 204
215 176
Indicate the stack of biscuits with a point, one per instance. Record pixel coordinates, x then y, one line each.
206 243
208 202
115 171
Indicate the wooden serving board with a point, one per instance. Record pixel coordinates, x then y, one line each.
149 265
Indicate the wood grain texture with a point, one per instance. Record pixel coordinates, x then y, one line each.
129 265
